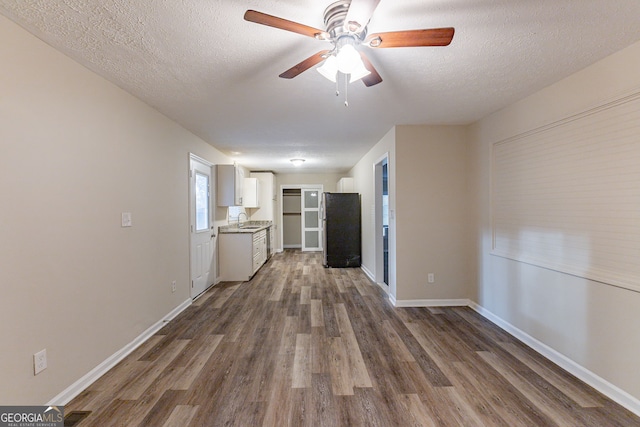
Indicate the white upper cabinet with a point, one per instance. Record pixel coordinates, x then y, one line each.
345 185
230 180
266 196
251 193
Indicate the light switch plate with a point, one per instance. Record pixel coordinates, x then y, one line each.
126 219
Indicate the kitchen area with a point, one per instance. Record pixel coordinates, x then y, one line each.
257 220
247 242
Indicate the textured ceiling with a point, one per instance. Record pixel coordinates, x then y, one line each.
201 64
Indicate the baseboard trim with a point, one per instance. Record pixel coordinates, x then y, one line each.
79 386
368 273
431 302
385 288
603 386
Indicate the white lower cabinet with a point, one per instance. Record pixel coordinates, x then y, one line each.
242 254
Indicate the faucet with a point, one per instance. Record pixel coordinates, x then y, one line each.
245 216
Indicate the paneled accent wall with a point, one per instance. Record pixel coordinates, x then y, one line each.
566 196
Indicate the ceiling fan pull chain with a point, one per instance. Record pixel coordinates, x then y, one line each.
346 91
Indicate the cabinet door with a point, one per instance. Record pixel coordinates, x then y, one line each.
264 247
239 183
251 191
225 185
345 185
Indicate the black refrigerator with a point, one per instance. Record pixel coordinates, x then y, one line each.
341 229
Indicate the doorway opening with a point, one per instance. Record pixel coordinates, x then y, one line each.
301 224
291 218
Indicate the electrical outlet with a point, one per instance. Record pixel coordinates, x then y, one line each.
126 219
431 278
173 286
39 361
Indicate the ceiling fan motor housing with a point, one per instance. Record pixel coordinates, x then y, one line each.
334 17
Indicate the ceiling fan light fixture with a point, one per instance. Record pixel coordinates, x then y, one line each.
359 72
348 59
297 162
329 69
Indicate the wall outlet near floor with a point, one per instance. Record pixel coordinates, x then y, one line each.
431 278
173 286
39 361
126 219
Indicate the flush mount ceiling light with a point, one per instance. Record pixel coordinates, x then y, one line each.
297 162
346 29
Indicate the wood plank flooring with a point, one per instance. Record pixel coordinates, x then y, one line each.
301 345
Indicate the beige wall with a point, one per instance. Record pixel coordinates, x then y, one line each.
593 324
430 228
432 213
75 152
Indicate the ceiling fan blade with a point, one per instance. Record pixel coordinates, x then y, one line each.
359 14
304 65
373 78
412 38
284 24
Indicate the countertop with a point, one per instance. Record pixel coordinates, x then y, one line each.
245 227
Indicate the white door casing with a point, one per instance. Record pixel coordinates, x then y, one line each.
202 236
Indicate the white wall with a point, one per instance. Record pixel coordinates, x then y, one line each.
364 182
75 152
593 324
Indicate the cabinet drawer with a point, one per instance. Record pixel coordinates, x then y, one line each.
257 261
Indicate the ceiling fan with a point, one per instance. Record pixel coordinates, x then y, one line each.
346 29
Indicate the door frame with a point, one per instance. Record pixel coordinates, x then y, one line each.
379 243
319 187
212 206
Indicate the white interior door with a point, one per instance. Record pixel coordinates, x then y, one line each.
311 223
202 251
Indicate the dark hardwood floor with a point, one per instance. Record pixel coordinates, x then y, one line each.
301 345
